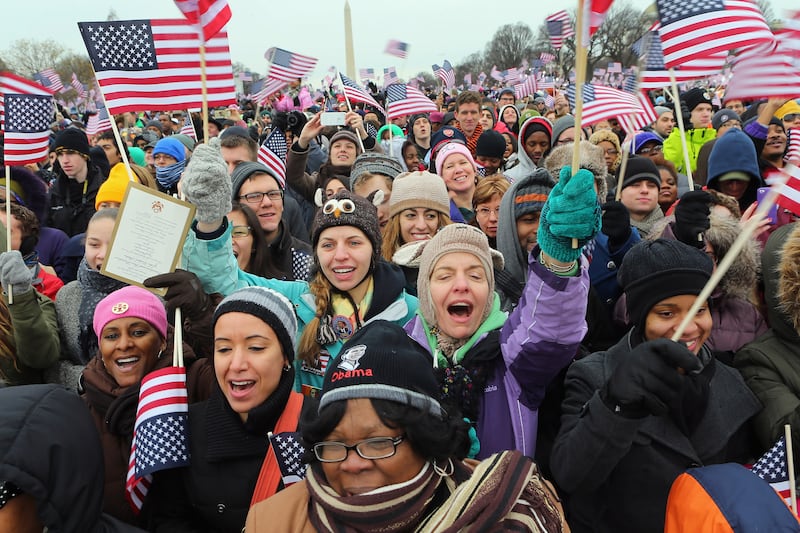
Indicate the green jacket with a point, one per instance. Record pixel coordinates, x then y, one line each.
36 342
695 139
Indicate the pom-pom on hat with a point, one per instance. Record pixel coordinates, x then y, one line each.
131 301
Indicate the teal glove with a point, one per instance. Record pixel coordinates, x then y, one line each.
15 276
571 212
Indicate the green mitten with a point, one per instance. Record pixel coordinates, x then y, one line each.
571 212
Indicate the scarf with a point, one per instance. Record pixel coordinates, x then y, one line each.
94 287
394 508
645 226
170 175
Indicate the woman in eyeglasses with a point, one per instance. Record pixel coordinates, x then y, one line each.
249 243
385 456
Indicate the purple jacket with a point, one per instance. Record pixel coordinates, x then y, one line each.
539 338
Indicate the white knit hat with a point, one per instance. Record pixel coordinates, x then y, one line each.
419 189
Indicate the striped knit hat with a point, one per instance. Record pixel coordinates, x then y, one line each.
419 189
271 307
531 194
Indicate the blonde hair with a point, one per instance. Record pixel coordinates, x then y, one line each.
392 239
308 349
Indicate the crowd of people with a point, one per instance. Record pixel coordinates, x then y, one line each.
463 331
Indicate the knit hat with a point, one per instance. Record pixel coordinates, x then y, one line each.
436 117
380 361
127 302
608 136
694 97
491 143
451 149
733 152
373 163
531 195
527 114
660 110
448 118
171 147
446 134
346 135
244 170
348 209
272 307
235 131
30 189
185 140
533 125
641 168
137 156
656 270
722 116
455 238
507 90
72 139
411 120
153 124
564 123
641 138
419 189
790 107
113 189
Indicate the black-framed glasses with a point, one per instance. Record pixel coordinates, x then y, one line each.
237 232
370 449
255 197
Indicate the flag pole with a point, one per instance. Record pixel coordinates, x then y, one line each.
747 232
8 225
117 137
679 117
350 108
203 84
581 51
787 431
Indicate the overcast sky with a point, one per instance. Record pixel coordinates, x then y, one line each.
435 30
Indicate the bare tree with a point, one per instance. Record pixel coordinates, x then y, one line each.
472 64
510 45
27 56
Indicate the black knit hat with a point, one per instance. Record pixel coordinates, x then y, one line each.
641 168
348 209
73 139
491 144
382 362
656 270
694 97
270 306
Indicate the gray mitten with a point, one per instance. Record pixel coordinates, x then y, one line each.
14 273
206 183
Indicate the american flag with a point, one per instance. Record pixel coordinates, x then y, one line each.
270 86
597 13
655 74
697 29
27 113
354 93
211 15
788 37
793 150
482 77
288 66
445 73
272 153
288 452
160 435
547 57
763 75
390 76
525 88
366 73
50 79
155 64
403 100
99 121
396 48
615 67
496 74
559 27
549 101
633 123
601 103
468 79
78 86
772 468
188 127
511 76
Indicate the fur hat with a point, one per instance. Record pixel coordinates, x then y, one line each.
131 301
348 209
608 136
419 189
380 361
72 139
267 305
591 159
450 239
373 163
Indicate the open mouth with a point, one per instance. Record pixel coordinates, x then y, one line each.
242 386
460 310
126 363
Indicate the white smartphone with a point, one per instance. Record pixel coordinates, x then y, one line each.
333 118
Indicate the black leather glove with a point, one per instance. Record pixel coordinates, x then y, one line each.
184 290
691 218
616 224
648 379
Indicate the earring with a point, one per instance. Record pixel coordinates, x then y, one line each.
287 368
160 353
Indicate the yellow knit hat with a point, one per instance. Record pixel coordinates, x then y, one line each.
113 189
789 107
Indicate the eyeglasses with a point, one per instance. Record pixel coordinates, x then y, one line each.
564 141
255 197
240 231
485 211
651 150
791 117
612 151
370 449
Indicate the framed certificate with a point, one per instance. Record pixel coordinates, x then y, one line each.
148 235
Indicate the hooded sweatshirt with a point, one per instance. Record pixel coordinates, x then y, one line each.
735 152
526 166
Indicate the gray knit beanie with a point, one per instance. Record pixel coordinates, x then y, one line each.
450 239
346 135
273 308
372 163
206 182
419 189
243 171
562 124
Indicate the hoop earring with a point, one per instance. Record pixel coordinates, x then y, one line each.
287 368
444 472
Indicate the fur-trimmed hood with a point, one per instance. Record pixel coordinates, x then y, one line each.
779 266
788 294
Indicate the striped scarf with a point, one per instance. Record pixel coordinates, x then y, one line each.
505 492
